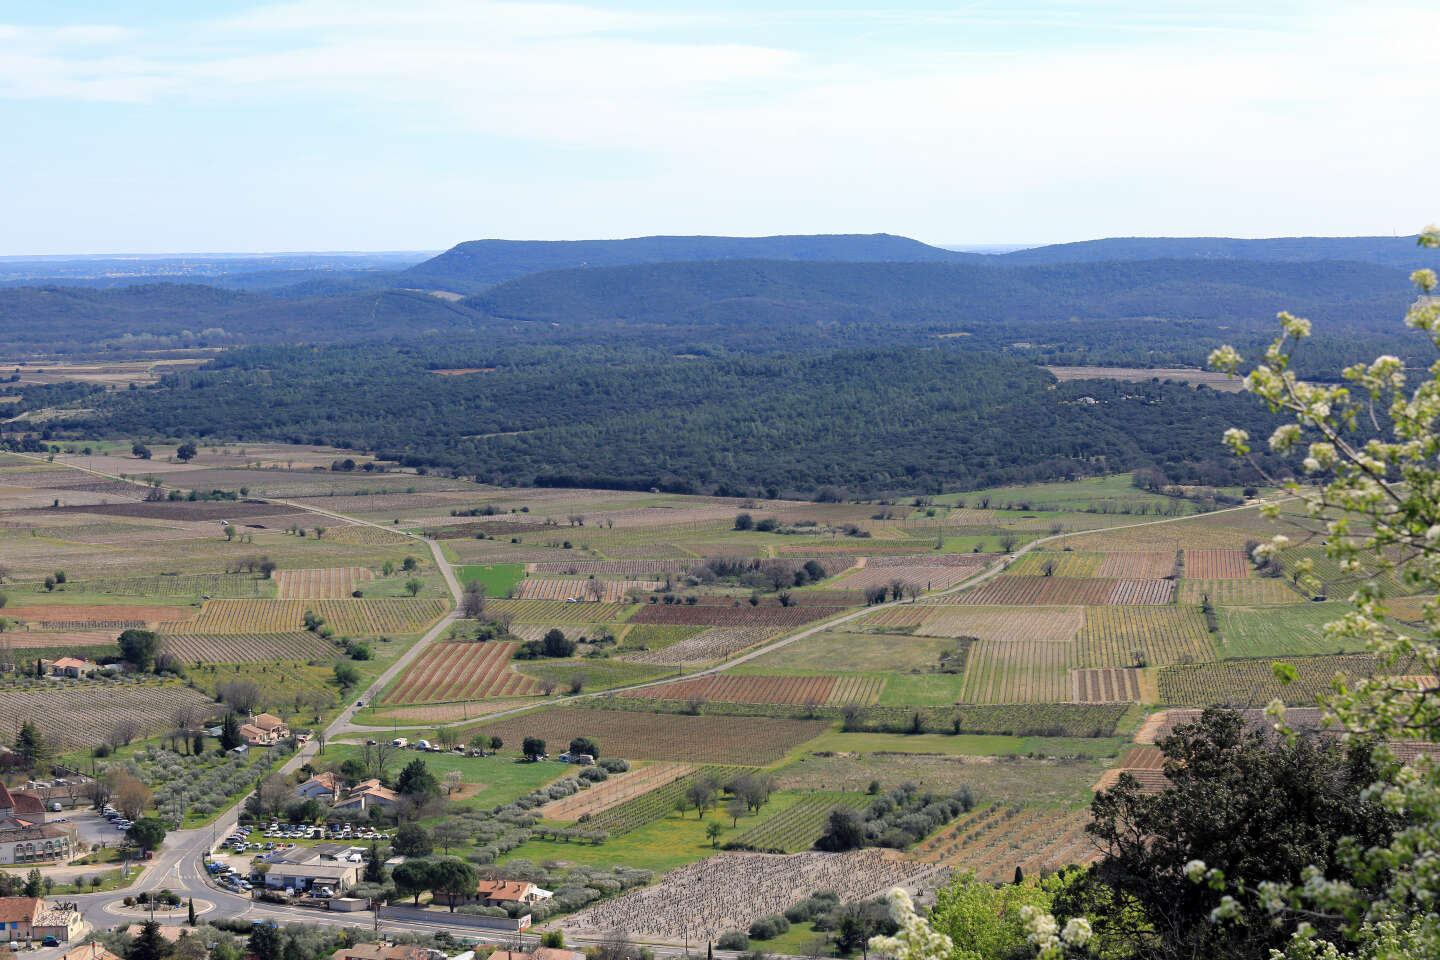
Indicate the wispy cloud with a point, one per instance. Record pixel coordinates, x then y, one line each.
1130 120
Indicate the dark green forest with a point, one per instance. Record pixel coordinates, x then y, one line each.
871 421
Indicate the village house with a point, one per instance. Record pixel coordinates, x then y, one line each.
31 918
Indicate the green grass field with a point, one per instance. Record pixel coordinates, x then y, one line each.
496 578
919 689
1281 631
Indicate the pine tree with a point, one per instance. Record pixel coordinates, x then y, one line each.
149 945
31 746
230 732
374 866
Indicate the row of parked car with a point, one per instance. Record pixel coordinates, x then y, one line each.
115 817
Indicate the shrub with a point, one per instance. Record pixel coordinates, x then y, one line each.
733 940
768 928
613 765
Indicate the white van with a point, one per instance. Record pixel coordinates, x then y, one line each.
399 742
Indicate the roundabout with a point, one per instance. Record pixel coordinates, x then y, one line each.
140 911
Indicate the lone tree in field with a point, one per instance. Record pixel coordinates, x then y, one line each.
186 452
472 602
139 648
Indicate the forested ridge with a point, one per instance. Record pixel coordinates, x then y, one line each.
734 375
873 420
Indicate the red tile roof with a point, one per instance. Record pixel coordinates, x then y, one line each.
504 889
16 909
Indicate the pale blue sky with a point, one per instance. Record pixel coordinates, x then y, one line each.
415 124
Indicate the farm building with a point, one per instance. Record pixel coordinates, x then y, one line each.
502 893
367 794
264 729
69 667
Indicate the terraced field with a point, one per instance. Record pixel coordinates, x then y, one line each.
1239 592
1217 564
461 671
1052 624
1163 635
1067 563
249 647
381 615
799 825
333 582
1251 683
1105 685
1027 671
552 611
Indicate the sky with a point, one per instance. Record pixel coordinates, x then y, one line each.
149 127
